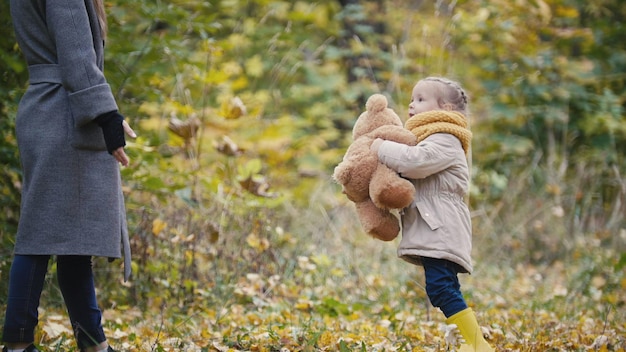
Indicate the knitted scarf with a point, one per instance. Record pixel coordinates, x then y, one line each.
440 121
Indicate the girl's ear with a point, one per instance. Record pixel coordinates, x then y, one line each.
445 105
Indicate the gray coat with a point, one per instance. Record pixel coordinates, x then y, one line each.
72 201
437 224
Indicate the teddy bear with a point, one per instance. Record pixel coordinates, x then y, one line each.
374 188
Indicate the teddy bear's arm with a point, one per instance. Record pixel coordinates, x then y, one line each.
356 169
394 133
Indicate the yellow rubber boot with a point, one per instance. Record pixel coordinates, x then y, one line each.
465 321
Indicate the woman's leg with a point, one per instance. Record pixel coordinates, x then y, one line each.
442 285
26 279
75 277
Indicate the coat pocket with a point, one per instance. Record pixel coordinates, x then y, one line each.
428 213
88 137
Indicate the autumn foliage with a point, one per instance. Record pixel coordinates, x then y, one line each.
242 242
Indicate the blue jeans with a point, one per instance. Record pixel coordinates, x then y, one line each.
75 277
442 285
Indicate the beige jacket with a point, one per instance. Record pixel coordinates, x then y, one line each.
437 224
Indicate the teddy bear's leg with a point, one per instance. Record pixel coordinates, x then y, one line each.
378 223
390 191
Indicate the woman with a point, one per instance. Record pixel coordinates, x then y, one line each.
68 127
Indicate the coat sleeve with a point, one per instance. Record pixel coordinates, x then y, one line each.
432 155
71 25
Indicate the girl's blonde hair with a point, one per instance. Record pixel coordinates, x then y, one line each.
102 17
453 97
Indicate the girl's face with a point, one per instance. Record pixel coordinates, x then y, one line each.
424 98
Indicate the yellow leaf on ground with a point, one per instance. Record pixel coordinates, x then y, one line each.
54 329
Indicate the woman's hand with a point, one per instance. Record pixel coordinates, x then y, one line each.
119 154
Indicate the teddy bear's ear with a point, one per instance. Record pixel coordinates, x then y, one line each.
376 103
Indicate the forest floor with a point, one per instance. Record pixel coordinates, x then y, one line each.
376 303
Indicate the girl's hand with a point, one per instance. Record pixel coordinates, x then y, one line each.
375 145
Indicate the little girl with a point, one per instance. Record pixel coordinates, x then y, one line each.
436 227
